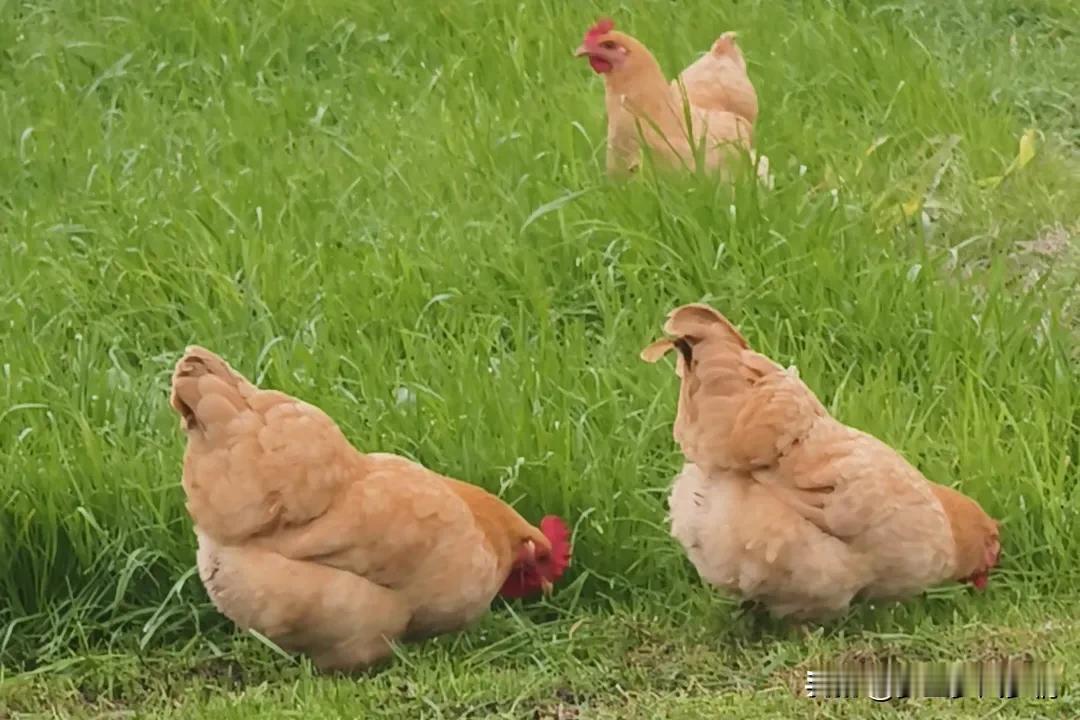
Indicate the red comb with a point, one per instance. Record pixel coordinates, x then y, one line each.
602 27
526 581
558 533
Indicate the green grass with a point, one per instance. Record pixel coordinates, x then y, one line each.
402 217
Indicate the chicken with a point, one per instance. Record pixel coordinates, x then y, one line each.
332 552
718 80
640 99
740 413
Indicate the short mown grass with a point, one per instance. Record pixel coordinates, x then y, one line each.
400 214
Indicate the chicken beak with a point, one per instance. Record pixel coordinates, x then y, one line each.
581 51
530 558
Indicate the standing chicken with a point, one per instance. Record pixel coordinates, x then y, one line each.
333 552
640 99
741 415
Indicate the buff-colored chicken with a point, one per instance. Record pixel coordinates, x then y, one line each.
332 552
643 105
743 418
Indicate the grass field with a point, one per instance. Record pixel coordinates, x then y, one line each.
402 217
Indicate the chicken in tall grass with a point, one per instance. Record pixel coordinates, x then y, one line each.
701 120
334 552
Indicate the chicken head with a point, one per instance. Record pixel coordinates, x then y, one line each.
602 47
534 571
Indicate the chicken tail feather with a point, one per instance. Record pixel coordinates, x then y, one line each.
697 321
725 45
657 350
205 390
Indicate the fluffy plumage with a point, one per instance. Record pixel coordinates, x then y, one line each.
746 541
718 80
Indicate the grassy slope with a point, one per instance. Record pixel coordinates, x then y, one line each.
403 219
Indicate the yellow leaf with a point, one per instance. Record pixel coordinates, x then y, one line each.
1027 149
911 207
1024 154
876 144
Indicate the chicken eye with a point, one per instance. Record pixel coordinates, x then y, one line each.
608 45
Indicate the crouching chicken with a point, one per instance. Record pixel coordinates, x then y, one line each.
332 552
782 503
